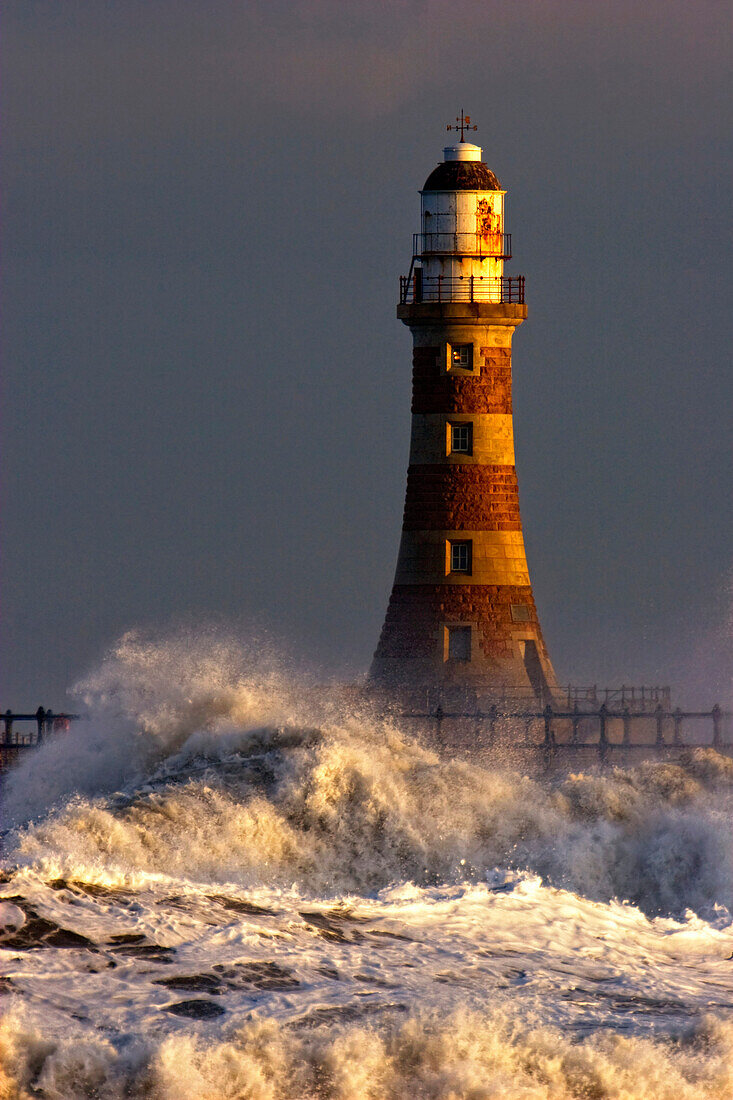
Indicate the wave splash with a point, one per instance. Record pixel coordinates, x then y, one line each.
343 913
220 766
466 1055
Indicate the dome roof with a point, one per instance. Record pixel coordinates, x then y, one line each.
462 175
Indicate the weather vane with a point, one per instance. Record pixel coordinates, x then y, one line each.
462 123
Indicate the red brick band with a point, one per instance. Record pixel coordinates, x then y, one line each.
439 391
416 612
456 497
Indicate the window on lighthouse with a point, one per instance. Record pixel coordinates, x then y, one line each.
459 643
461 438
460 356
460 557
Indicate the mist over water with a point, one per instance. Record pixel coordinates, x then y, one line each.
353 915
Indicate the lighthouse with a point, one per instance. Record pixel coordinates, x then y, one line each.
461 613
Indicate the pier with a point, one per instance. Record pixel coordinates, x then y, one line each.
584 732
23 731
601 734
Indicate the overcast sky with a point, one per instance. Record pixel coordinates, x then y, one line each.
207 206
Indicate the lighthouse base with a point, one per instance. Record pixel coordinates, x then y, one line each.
484 638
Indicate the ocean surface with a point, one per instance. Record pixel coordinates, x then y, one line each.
231 884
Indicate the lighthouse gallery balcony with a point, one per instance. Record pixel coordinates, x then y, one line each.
499 289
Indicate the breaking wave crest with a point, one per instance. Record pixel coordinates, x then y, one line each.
233 884
219 766
464 1056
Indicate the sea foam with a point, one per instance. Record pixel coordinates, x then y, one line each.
367 918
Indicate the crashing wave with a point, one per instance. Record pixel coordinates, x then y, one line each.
221 767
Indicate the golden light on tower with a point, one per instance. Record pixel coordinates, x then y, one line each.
462 610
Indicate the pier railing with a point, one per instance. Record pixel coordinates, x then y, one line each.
638 698
574 725
25 730
570 730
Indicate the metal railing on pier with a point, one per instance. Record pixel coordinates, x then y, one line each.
638 698
504 289
562 730
35 727
576 721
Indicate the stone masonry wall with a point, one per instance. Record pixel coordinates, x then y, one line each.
435 390
479 498
415 611
446 496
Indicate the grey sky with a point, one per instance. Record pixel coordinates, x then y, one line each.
206 392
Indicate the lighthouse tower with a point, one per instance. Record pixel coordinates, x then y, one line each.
461 613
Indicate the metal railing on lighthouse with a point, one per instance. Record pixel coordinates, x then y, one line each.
501 289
